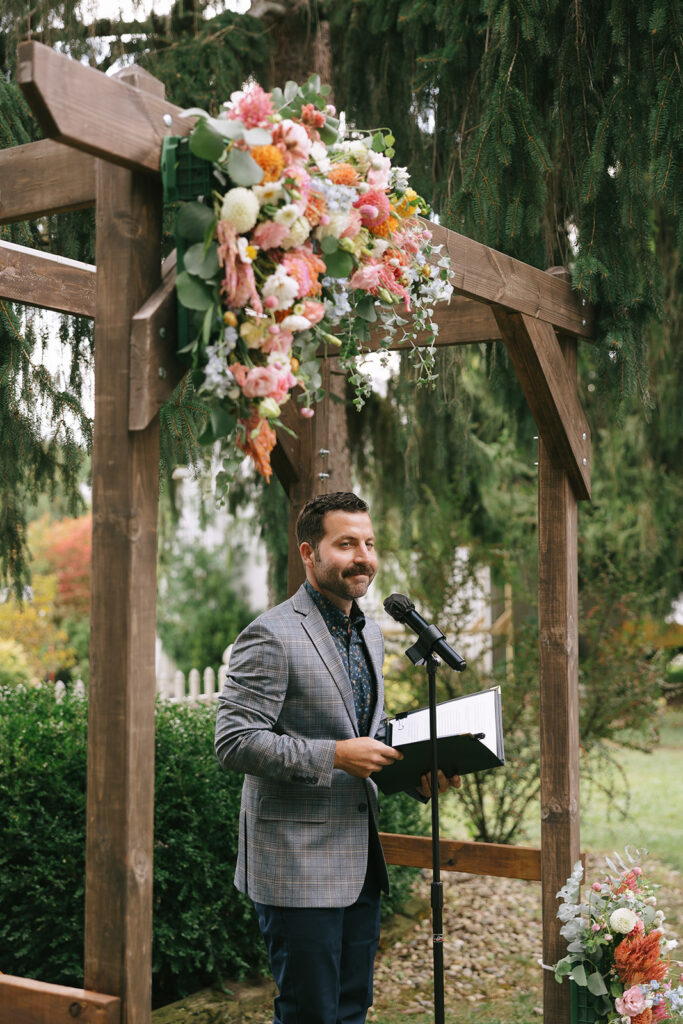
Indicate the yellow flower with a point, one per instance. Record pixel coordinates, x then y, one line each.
229 319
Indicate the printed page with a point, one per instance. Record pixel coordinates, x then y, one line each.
474 713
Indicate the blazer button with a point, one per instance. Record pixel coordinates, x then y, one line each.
362 807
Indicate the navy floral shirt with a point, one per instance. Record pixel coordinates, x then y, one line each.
347 634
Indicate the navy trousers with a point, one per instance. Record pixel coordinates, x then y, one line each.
322 959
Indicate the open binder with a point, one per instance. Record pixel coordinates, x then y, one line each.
469 739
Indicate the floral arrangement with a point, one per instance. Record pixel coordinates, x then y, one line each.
617 949
312 236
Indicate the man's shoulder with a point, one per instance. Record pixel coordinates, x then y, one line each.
290 610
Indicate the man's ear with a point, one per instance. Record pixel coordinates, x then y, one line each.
307 553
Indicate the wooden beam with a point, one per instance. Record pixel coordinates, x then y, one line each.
472 858
559 702
551 393
154 366
41 279
25 1001
489 276
120 796
112 119
462 321
44 177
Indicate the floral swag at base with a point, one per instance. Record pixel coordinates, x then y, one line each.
313 236
617 948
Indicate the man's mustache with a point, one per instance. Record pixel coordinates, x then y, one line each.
359 570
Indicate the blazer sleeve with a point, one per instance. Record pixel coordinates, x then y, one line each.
249 708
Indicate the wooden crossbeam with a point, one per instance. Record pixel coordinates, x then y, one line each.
26 1001
551 393
44 177
472 858
489 276
98 114
41 279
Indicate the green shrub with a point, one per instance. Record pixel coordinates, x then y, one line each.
204 930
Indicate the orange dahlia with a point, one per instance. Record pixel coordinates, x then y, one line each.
643 1018
270 160
259 445
383 229
315 209
637 958
343 174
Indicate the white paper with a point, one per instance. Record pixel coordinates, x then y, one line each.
475 713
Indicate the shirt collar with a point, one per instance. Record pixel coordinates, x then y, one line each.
334 615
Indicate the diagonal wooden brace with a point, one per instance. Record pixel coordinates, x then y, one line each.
551 393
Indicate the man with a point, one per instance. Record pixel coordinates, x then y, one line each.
299 715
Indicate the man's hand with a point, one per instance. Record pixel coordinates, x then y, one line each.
425 787
361 756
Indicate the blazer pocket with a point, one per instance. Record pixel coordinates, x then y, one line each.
272 809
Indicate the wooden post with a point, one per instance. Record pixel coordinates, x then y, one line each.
317 461
559 713
120 802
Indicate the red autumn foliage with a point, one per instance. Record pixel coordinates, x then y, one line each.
68 545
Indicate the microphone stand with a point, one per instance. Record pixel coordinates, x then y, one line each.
421 653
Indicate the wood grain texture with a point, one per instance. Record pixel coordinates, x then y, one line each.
44 177
472 858
52 282
155 368
25 1001
559 702
317 461
489 276
109 117
120 798
536 355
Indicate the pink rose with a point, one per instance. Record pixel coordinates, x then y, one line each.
631 1003
269 235
313 311
366 277
260 382
280 341
292 140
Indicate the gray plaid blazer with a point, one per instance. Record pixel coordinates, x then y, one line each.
304 827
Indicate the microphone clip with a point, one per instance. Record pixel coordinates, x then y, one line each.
422 649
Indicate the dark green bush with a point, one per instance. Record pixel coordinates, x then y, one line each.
204 930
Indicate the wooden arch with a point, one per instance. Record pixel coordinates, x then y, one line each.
103 146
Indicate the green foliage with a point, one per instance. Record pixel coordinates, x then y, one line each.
15 669
204 930
201 609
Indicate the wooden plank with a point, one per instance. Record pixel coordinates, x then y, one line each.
100 114
489 276
154 367
559 702
472 858
44 177
551 393
462 321
25 1001
120 797
41 279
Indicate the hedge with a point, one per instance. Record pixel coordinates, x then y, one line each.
205 932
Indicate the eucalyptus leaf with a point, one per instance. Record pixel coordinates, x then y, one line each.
329 244
339 263
201 264
206 143
193 293
579 975
378 142
207 324
314 82
366 309
328 134
258 137
291 89
596 985
243 169
228 127
193 221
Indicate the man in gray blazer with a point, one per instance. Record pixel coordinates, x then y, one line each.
299 715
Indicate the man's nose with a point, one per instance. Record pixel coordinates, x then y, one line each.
363 553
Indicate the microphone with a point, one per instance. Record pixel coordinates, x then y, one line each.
430 639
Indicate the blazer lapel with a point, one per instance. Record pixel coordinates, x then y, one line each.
319 634
375 648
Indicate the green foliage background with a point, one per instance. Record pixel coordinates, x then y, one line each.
204 930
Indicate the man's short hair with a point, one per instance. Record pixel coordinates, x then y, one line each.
310 526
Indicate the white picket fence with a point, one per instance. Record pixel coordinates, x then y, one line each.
172 687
